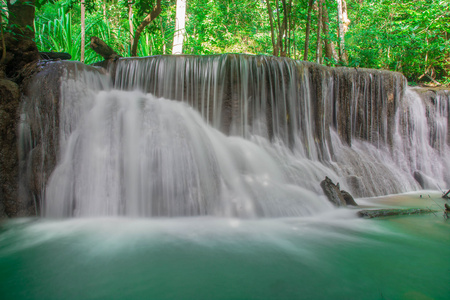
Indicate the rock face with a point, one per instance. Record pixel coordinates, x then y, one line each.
9 164
40 131
437 105
40 127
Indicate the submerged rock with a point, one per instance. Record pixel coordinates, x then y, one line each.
378 213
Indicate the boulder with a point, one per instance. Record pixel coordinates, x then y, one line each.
335 195
332 192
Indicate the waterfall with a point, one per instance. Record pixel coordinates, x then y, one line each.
228 135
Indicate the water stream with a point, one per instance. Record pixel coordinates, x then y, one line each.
198 178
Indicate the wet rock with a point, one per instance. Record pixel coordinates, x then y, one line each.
378 213
335 195
419 178
436 103
348 198
20 52
332 192
9 105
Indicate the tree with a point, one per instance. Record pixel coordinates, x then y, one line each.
280 27
146 21
83 29
330 52
130 20
307 30
318 35
409 36
179 27
342 19
21 18
18 44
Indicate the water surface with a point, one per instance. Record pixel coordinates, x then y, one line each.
334 255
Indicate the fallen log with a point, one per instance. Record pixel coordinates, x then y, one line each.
101 48
55 55
378 213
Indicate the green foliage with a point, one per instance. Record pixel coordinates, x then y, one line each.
410 36
227 26
58 34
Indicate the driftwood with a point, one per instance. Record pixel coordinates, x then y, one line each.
377 213
101 48
446 195
55 55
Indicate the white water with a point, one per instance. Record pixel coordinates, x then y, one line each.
136 155
131 153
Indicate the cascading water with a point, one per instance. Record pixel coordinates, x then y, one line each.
137 155
254 137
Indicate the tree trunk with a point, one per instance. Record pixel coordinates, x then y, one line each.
285 27
147 20
280 31
319 28
345 19
308 26
3 58
290 27
272 30
342 53
19 38
180 21
104 10
163 37
130 18
295 51
83 29
21 18
330 52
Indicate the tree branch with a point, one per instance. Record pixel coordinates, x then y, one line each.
147 20
101 48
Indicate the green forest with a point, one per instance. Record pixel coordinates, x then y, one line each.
408 36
